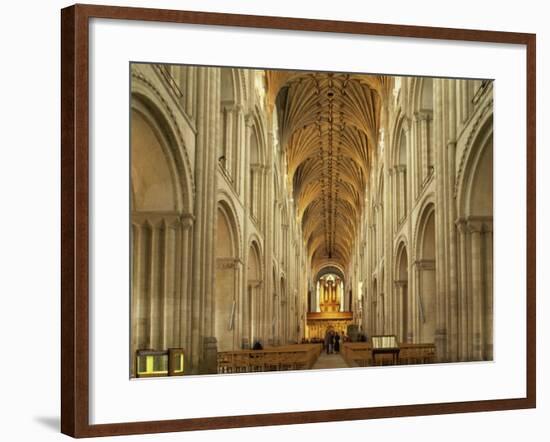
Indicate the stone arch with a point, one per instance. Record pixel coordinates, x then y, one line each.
476 146
228 261
257 162
423 115
402 301
476 173
330 268
161 192
148 101
254 287
426 267
422 94
259 132
232 96
399 166
153 175
399 140
475 210
425 203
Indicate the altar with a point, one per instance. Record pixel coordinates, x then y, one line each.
319 322
328 314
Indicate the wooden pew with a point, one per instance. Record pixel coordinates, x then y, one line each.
359 354
422 353
290 357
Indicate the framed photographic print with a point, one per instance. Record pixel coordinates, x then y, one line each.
254 207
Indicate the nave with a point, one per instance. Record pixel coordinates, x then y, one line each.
271 207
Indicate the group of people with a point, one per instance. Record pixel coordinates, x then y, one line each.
332 342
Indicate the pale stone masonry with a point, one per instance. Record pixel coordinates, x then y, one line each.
249 186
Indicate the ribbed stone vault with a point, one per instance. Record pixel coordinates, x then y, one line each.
328 125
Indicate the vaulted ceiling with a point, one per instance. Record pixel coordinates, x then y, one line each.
328 125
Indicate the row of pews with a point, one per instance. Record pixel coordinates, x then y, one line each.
289 357
359 354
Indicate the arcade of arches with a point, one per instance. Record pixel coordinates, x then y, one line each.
271 206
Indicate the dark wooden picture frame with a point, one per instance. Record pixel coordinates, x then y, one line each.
75 219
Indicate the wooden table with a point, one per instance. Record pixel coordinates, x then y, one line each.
394 351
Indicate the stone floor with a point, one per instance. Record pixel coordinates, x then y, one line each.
333 360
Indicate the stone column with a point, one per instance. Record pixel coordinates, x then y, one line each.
463 100
404 311
424 123
240 141
256 172
143 293
185 295
381 238
269 248
452 283
208 103
170 305
441 214
228 145
394 204
488 247
137 291
415 298
256 312
155 287
463 295
190 90
401 177
475 230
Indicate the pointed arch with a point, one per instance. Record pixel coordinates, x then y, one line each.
426 272
228 259
150 104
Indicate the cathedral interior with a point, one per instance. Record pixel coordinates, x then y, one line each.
272 210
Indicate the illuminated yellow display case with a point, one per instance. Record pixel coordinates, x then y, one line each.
150 363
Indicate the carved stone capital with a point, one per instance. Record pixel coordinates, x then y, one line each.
479 223
254 283
228 263
228 106
461 225
187 220
257 167
425 264
474 226
406 126
423 116
400 168
249 120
